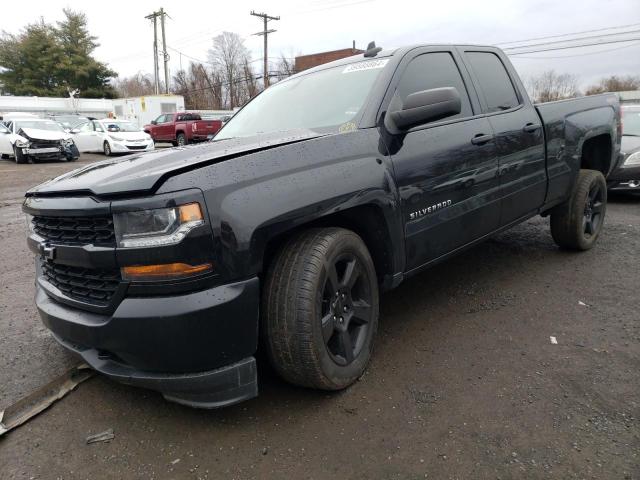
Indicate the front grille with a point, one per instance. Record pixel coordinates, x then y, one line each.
136 147
44 143
87 285
76 230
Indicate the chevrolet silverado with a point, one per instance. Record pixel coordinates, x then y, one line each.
168 269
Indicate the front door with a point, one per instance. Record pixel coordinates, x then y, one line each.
447 171
86 139
5 145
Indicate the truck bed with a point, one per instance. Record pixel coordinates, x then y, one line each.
568 124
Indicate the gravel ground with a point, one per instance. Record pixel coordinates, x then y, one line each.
464 382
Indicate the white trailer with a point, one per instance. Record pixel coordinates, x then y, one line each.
141 110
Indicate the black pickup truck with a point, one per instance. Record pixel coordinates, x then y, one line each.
168 269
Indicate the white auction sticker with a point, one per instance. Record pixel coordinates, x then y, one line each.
366 65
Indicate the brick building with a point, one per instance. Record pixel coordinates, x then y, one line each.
304 62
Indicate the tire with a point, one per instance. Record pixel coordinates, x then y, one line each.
306 343
106 148
577 224
19 156
181 140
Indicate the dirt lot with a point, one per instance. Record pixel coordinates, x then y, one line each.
464 382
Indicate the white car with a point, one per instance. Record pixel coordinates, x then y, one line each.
31 138
111 136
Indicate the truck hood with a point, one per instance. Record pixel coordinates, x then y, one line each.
37 134
144 172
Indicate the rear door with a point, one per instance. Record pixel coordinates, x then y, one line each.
446 170
518 132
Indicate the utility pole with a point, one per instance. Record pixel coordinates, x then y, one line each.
165 55
153 17
265 32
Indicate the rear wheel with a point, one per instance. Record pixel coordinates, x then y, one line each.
19 156
320 309
577 224
106 148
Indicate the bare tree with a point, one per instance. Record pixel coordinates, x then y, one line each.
550 86
201 88
615 84
229 57
134 86
285 67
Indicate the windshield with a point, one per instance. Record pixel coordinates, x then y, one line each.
39 124
118 126
330 98
631 121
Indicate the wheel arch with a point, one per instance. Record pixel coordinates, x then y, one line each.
368 221
596 152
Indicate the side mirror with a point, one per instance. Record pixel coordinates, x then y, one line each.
427 106
153 122
74 130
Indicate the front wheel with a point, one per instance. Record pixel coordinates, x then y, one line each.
107 149
19 156
577 224
181 140
320 309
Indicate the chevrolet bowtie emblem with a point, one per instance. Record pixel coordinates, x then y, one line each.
48 251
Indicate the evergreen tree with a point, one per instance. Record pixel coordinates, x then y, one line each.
51 61
79 69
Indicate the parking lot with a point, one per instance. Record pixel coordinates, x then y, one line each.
464 381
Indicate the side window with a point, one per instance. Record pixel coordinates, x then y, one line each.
160 119
181 118
434 70
494 81
97 127
85 127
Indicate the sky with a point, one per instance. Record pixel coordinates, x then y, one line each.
126 37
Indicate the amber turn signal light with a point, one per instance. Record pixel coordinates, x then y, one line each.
166 271
190 212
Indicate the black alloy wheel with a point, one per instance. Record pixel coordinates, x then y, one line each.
346 309
593 210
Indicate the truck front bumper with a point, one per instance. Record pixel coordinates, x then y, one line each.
196 349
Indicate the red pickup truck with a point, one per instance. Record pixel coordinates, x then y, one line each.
182 128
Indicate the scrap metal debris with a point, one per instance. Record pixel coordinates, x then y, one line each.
554 340
105 436
34 403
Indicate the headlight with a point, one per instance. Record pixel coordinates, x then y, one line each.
633 159
116 138
67 142
22 143
158 227
29 224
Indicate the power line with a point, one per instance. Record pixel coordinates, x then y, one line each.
571 40
569 34
584 54
574 46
